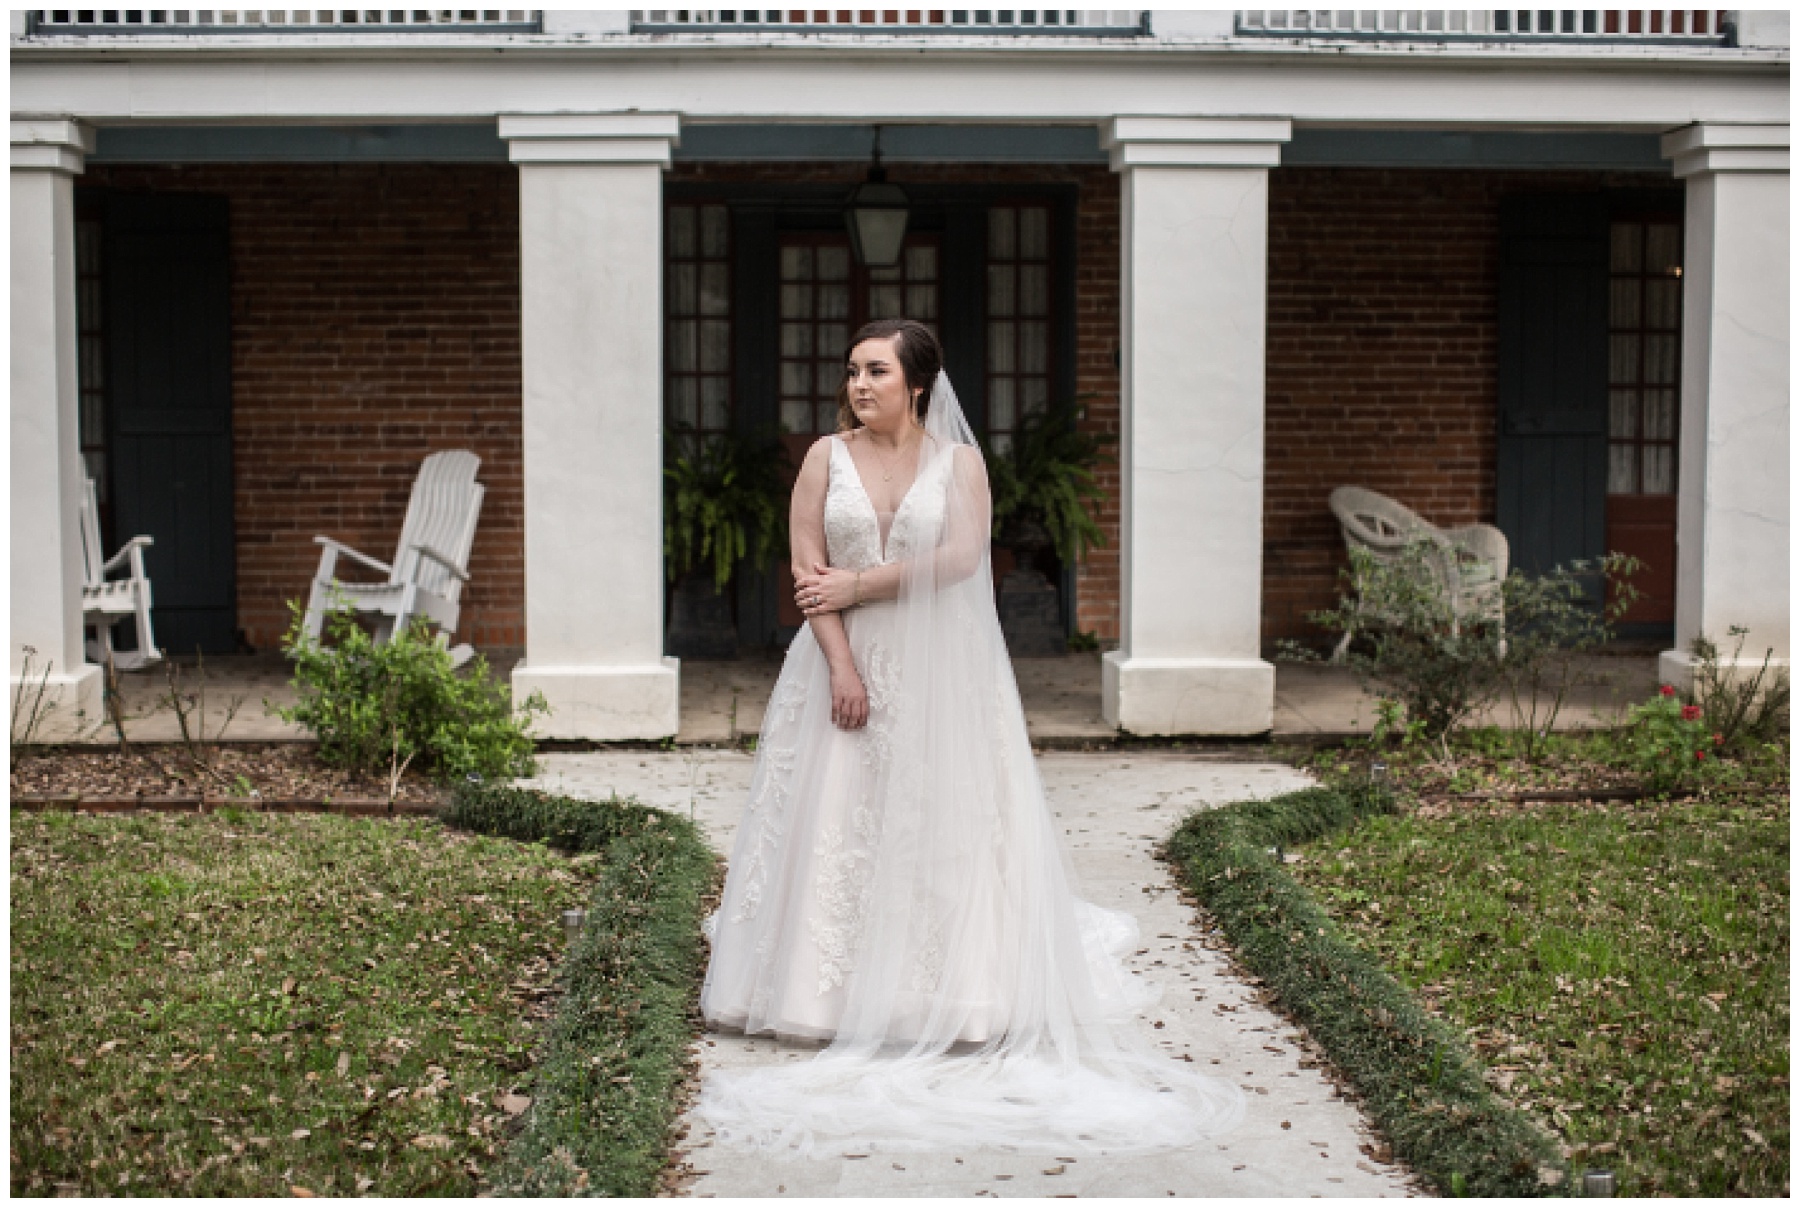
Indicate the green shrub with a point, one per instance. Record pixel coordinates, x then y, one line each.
1440 669
1551 621
377 708
1741 709
605 1096
1415 650
1667 742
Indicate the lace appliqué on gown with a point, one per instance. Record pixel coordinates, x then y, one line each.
768 806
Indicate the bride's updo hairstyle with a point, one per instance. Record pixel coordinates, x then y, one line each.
921 358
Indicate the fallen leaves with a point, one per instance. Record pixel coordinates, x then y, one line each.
241 1065
1621 968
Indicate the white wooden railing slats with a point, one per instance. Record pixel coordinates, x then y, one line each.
277 19
1592 25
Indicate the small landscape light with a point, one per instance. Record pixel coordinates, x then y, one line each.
1597 1182
1378 773
573 921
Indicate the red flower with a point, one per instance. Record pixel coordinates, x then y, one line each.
1690 712
1699 754
1667 690
1718 740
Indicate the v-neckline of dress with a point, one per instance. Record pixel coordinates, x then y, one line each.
881 539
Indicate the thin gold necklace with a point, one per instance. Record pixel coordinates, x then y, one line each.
887 473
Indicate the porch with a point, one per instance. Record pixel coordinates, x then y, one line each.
547 269
722 701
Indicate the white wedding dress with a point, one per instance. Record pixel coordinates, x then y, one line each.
899 890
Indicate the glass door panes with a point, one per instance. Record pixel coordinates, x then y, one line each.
1018 310
699 317
825 296
1644 363
908 290
816 295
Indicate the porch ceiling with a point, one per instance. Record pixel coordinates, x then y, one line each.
812 143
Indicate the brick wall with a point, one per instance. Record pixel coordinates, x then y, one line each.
1382 356
1096 316
375 319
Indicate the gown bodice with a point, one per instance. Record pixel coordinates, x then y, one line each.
853 539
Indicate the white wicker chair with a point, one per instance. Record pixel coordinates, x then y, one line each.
1469 562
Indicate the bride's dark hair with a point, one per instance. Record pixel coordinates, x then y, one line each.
921 358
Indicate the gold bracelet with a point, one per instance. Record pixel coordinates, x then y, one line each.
858 586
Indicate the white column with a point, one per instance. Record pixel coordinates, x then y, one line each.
46 466
590 230
1732 527
1195 279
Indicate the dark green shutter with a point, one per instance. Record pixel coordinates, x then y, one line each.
1551 454
168 328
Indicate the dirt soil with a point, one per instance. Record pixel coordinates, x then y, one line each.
270 771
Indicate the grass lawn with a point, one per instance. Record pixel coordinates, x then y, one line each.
1622 969
250 1004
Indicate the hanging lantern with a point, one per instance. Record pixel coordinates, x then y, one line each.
876 214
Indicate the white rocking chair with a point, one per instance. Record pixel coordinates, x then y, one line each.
430 566
1468 562
104 602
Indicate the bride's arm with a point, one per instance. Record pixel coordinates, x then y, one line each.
966 537
806 540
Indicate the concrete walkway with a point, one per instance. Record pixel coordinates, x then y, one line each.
1300 1138
721 702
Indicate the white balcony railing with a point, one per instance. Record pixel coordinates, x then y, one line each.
271 20
1687 26
1104 22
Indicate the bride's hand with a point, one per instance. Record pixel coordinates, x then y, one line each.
849 700
827 589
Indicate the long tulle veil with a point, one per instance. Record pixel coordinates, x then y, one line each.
982 1007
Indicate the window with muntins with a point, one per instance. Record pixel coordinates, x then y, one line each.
699 317
825 296
1644 362
1018 318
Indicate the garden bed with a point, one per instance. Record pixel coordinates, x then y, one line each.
266 771
267 1004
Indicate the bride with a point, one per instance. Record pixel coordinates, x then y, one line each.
897 887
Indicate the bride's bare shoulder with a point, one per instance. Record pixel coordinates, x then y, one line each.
818 457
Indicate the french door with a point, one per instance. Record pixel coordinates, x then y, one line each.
1643 381
825 297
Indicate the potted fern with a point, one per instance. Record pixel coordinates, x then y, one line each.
1043 495
724 500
